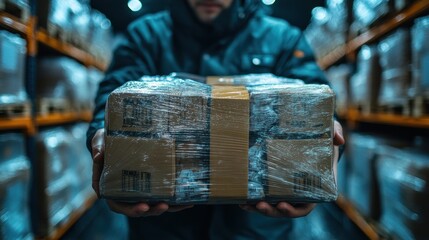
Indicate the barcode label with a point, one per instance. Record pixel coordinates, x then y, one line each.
303 181
137 113
134 181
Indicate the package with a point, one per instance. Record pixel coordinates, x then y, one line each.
61 79
339 77
365 83
404 188
395 60
55 176
18 8
12 68
362 185
14 188
367 12
181 141
420 56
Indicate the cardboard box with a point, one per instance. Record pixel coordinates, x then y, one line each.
138 168
229 142
306 110
301 170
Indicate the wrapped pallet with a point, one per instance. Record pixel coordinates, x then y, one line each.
404 188
14 188
181 141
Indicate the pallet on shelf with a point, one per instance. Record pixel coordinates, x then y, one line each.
20 11
14 110
420 106
46 106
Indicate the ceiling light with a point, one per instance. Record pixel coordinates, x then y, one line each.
268 2
135 5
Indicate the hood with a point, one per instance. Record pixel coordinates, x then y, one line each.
228 22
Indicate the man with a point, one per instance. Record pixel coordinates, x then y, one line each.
206 37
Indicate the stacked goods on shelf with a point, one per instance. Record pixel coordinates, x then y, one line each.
362 187
13 97
367 12
395 59
18 8
101 37
94 78
63 86
64 173
332 21
365 83
420 72
230 143
403 176
74 21
14 188
339 77
81 165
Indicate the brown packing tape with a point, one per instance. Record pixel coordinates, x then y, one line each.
138 168
301 169
220 80
229 142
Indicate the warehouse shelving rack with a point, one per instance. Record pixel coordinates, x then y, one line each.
30 124
354 117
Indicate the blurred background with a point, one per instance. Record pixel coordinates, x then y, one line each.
53 54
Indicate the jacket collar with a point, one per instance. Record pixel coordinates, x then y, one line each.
229 21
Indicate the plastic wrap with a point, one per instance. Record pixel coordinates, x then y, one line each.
339 77
54 154
362 184
63 79
14 188
12 68
366 12
365 83
395 60
403 177
81 166
181 141
420 55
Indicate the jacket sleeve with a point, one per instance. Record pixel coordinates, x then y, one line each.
132 59
297 60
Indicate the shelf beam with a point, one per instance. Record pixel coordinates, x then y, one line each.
13 22
355 116
20 123
374 33
63 118
357 218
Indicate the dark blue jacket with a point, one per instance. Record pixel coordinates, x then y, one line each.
242 40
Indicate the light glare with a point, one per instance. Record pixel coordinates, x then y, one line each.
268 2
134 5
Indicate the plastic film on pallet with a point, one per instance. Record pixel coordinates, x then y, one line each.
230 140
14 188
403 176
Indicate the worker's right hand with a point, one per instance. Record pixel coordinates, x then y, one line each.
129 209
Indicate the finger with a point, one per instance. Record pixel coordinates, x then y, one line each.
247 207
156 210
129 209
267 209
97 144
338 134
298 210
179 208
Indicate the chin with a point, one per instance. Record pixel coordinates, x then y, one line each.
207 18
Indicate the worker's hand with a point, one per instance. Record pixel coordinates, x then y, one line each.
143 209
281 209
129 209
284 209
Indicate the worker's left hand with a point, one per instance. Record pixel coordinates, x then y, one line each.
284 209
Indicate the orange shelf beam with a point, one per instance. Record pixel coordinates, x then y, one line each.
62 118
389 119
20 123
357 218
375 33
13 22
